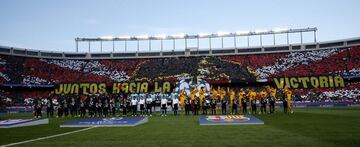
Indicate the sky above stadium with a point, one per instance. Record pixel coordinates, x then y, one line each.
53 25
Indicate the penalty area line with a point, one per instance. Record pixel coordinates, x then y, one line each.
47 137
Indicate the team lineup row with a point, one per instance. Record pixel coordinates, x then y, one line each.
135 104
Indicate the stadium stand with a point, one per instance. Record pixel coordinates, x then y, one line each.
220 69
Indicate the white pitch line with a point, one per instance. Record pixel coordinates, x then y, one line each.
47 137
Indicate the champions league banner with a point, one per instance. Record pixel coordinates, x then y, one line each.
229 120
13 123
107 122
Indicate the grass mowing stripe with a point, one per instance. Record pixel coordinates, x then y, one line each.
47 137
173 131
336 127
306 127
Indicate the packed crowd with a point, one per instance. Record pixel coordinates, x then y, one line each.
293 60
349 93
165 67
341 62
245 67
214 69
93 66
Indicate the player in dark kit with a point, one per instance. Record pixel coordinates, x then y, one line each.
263 102
208 99
60 109
65 108
204 107
92 107
49 108
235 103
99 108
187 106
82 108
285 102
272 100
244 104
223 106
272 104
196 106
106 108
113 107
213 106
126 105
253 106
37 108
73 107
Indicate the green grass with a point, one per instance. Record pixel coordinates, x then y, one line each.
306 127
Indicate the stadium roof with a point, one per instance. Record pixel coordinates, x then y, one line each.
199 35
183 53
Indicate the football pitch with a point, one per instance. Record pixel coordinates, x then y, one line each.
306 127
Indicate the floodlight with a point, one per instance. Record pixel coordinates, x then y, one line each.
223 33
181 35
204 34
162 36
280 30
124 37
142 37
107 38
242 32
261 31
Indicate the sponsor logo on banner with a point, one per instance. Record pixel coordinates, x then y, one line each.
104 121
227 118
113 121
14 121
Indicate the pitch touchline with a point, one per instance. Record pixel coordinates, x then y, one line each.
47 137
